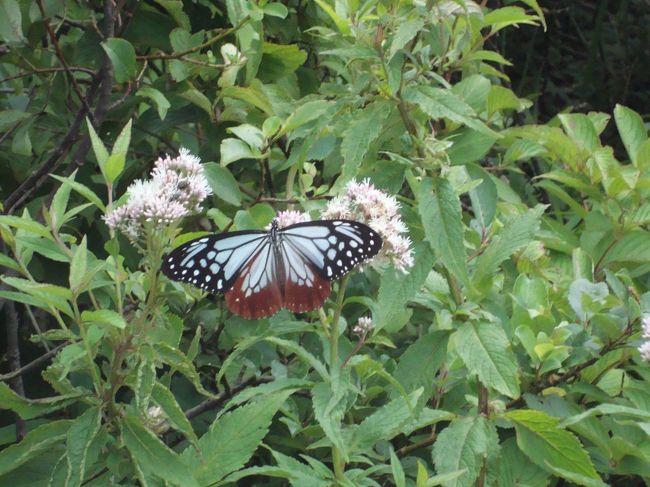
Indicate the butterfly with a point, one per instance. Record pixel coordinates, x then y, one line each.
260 272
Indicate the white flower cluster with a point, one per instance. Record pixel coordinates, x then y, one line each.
176 189
367 204
644 349
363 326
290 217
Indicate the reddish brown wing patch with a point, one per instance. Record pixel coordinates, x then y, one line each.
300 298
265 302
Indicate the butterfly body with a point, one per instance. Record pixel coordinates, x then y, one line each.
262 271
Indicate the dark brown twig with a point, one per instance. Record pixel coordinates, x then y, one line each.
33 364
13 357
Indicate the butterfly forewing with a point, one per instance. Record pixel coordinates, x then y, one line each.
261 272
334 247
213 263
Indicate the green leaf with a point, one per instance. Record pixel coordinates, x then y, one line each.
365 129
483 197
173 412
233 438
396 467
44 247
442 221
607 409
59 205
633 247
50 294
35 443
463 445
161 102
81 434
252 94
501 98
397 288
25 223
513 467
279 61
33 408
104 317
341 24
419 363
233 150
385 423
179 361
276 10
631 129
223 183
583 294
579 127
122 56
403 35
197 98
329 408
11 29
101 153
516 234
550 447
503 17
78 266
250 134
153 457
485 349
113 167
310 111
84 191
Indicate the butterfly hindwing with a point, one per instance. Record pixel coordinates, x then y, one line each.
212 263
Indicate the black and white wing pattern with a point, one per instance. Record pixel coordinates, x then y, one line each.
261 272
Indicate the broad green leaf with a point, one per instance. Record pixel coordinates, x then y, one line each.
310 111
631 130
113 167
153 457
252 94
385 423
159 100
197 98
501 98
54 296
485 349
440 103
419 363
59 205
280 60
11 29
104 317
233 150
81 434
583 295
634 247
122 56
250 134
35 443
578 126
442 220
172 410
176 359
549 446
78 266
463 445
396 467
397 288
361 133
503 17
468 146
403 35
512 467
301 353
341 24
44 247
276 10
233 438
33 408
517 233
101 153
223 183
301 473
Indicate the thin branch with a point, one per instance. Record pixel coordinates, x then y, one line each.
33 364
48 70
13 357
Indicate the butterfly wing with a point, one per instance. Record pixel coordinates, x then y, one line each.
214 262
256 292
333 247
314 253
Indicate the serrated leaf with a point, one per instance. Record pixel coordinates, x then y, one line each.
329 408
463 445
607 409
153 457
35 443
26 224
517 233
81 434
397 288
549 446
419 363
442 221
631 130
104 317
362 132
485 349
162 396
122 56
633 247
221 453
179 361
33 408
403 35
385 423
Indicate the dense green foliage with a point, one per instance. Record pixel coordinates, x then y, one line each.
507 355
